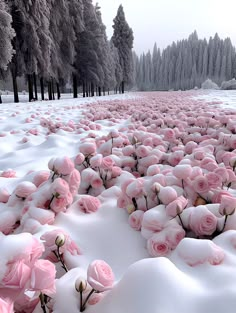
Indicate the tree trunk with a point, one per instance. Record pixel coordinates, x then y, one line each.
96 90
49 90
75 90
0 98
35 86
123 87
15 89
99 91
30 87
84 95
58 91
92 89
87 94
104 91
53 91
42 88
108 91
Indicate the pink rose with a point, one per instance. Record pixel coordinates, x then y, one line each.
169 135
153 221
95 298
17 275
96 161
88 148
43 277
176 207
4 195
227 205
24 189
218 195
100 276
157 245
6 306
135 219
79 159
88 204
135 188
63 165
202 221
143 151
174 234
182 171
200 184
73 180
214 180
167 195
49 242
40 177
223 173
59 188
107 163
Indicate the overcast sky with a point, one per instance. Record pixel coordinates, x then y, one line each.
165 21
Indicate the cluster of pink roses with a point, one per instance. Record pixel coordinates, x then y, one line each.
100 278
22 271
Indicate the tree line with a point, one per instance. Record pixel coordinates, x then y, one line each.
50 42
185 64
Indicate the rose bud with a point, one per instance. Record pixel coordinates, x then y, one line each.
60 240
80 284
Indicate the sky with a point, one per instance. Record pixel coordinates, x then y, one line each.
165 21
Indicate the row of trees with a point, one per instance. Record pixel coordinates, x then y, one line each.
185 64
51 41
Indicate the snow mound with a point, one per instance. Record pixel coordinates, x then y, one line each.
209 84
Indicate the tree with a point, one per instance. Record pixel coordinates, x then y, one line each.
123 40
6 35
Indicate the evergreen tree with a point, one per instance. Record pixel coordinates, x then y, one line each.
123 40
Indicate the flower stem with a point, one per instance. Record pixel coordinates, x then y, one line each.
86 300
50 202
59 258
226 217
181 221
135 203
81 300
43 306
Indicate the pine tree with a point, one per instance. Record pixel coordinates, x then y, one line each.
123 40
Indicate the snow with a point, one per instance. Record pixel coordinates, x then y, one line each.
143 284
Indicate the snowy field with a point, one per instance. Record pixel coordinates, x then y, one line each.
142 181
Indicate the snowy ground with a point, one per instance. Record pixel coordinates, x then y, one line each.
195 277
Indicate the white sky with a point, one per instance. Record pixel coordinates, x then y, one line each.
165 21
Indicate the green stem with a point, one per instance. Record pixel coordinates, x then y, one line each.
81 300
86 300
58 256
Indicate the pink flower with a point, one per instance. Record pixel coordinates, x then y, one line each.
167 195
200 184
6 306
17 275
100 276
7 222
73 181
107 163
182 171
79 159
223 173
128 150
49 242
95 298
143 151
176 207
153 221
63 165
24 189
135 219
43 277
96 161
174 234
214 180
40 177
135 188
88 204
96 182
169 135
88 148
59 188
227 205
218 195
157 245
8 174
202 221
116 171
60 204
153 170
4 195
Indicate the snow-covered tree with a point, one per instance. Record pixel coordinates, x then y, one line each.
123 40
